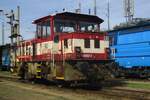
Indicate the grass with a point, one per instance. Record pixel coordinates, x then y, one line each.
8 92
5 73
139 85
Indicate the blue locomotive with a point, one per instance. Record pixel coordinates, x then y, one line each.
5 57
131 50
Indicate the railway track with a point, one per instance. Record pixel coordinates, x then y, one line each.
115 93
127 93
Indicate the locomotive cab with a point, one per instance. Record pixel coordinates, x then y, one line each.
77 36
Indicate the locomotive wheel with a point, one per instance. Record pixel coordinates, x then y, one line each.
26 76
104 71
91 71
83 67
98 74
23 72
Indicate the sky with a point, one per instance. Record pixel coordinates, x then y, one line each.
33 9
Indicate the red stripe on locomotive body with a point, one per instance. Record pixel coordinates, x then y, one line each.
67 36
68 56
41 40
82 36
25 58
71 36
86 56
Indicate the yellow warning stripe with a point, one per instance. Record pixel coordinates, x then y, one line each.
38 70
60 78
38 77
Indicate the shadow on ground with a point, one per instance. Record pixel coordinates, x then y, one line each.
91 86
85 86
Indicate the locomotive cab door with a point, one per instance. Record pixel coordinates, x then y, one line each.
56 64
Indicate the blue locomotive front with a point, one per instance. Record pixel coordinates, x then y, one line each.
5 57
131 48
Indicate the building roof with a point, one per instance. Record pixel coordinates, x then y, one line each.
72 16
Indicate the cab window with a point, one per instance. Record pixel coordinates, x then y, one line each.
64 26
43 29
88 27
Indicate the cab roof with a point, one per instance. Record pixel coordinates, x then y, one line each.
71 16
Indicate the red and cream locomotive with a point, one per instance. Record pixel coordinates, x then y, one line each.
68 46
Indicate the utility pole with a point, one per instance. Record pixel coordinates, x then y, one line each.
78 10
15 35
108 14
3 36
128 10
11 17
18 23
15 25
3 28
79 6
89 11
14 22
95 8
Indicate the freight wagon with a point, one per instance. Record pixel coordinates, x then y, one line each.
131 50
5 57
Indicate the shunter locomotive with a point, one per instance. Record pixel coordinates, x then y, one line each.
67 47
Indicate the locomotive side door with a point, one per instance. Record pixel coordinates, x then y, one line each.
56 65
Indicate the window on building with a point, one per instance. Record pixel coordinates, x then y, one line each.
96 43
87 43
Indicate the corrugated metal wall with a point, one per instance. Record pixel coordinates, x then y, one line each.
132 48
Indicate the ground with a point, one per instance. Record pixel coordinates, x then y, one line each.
11 90
16 90
22 91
